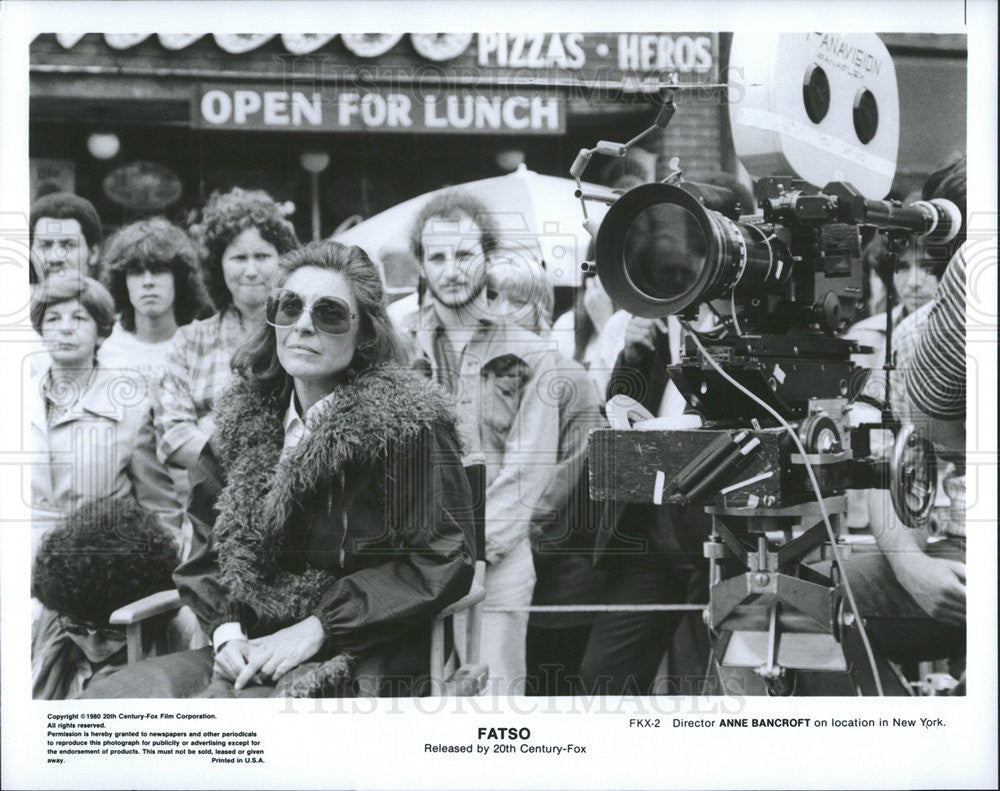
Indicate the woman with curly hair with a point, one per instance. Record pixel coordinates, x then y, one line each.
332 516
104 555
91 424
243 234
151 269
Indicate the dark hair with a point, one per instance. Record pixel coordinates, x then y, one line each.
92 295
452 205
932 258
949 182
583 325
225 217
154 245
625 172
67 206
103 555
378 341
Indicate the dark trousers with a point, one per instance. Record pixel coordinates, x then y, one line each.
625 649
185 674
895 622
553 659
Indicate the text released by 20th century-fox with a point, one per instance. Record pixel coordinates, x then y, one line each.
201 737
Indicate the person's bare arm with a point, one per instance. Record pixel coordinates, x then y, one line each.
936 584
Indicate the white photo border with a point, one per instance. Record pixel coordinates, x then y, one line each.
331 745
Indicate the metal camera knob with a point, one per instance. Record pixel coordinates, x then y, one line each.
913 476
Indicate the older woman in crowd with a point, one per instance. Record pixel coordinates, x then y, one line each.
332 515
243 233
89 424
104 555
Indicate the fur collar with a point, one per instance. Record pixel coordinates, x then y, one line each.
379 412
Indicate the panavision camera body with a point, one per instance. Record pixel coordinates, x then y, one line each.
786 283
765 300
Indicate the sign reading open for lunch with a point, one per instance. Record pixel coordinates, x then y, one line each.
352 109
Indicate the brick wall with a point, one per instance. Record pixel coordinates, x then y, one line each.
695 134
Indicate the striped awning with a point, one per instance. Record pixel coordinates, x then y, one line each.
362 44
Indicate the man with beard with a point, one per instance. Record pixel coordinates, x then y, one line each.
502 378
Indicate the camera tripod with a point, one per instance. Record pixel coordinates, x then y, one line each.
779 621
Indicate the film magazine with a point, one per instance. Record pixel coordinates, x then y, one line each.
567 400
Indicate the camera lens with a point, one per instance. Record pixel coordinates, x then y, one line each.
664 251
661 250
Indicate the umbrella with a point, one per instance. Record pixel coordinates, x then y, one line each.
531 211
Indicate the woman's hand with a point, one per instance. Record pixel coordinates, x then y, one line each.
231 660
286 649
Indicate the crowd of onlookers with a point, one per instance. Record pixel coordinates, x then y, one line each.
228 412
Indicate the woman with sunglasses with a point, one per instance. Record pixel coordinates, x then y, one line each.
104 555
332 516
243 234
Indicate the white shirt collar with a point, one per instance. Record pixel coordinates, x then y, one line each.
294 425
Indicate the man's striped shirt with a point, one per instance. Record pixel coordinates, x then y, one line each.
935 377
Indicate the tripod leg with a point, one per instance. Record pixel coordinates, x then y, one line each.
861 671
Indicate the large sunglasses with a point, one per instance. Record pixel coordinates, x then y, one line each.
108 633
329 315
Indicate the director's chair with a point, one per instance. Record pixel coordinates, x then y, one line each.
450 673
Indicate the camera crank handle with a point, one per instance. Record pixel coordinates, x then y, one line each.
729 465
687 478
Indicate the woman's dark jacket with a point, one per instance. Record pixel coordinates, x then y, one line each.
366 523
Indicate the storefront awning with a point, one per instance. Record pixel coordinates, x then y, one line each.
630 62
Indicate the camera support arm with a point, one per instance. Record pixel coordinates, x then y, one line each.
610 149
892 240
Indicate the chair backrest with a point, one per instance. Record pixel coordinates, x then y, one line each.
475 473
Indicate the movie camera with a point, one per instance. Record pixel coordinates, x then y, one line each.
764 301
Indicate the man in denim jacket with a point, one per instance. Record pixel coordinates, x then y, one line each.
499 375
